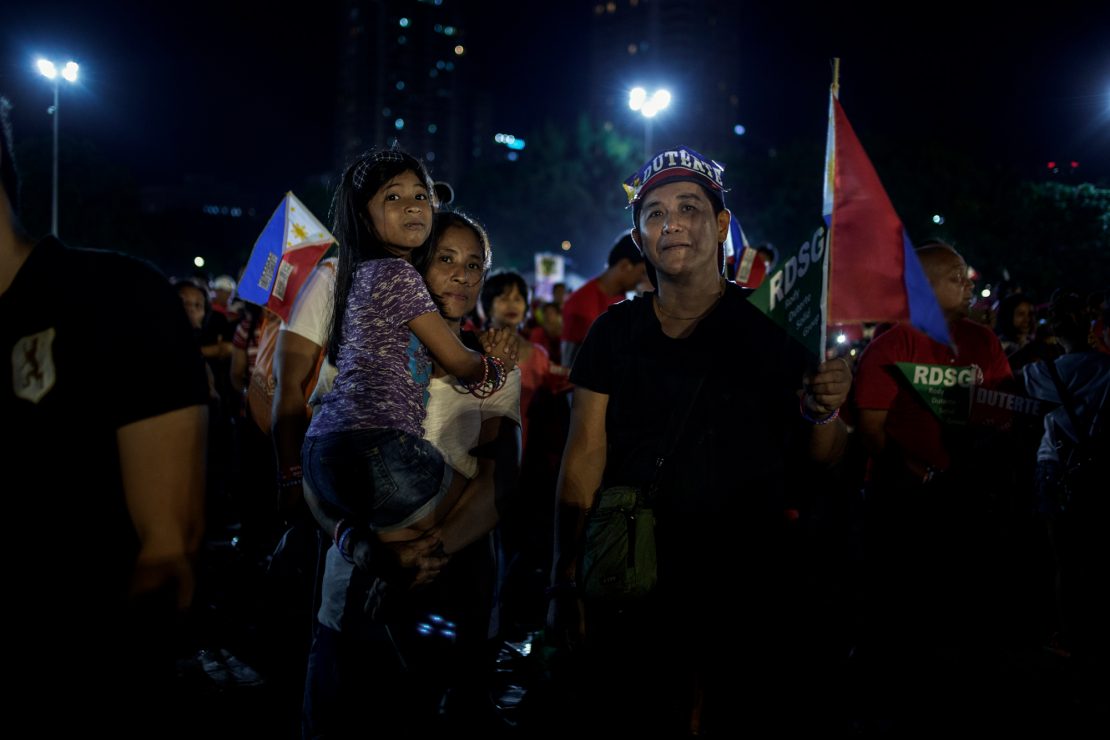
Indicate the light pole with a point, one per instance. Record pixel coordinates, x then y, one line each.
648 106
50 72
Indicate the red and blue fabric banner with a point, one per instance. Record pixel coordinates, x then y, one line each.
874 275
745 266
290 245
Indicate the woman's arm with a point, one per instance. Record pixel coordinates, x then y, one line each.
218 350
238 369
477 512
370 554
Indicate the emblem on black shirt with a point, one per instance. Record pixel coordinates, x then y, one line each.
33 366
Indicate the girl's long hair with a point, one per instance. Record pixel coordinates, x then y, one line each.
354 230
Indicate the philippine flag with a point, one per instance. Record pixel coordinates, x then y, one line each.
283 256
743 262
874 275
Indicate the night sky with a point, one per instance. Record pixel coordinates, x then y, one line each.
243 92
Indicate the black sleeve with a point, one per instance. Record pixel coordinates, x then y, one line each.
593 365
158 365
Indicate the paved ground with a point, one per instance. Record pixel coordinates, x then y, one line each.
241 677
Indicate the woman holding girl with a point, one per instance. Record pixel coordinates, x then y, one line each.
364 452
370 668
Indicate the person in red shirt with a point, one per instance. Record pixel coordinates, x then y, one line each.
934 589
895 425
626 270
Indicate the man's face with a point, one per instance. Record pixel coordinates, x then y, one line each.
631 275
678 230
947 273
553 322
1023 318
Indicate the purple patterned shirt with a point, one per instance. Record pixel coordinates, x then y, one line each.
383 368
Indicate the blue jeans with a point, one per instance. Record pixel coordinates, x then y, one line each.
383 478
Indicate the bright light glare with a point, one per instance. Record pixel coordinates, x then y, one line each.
70 71
637 96
566 246
938 219
198 261
841 338
510 141
47 68
638 100
985 292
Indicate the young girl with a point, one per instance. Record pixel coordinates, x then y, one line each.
505 305
364 451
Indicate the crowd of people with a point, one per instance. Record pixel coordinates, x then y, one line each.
408 468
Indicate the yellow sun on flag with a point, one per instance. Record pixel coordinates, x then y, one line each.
299 232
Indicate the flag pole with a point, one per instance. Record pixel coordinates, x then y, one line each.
830 198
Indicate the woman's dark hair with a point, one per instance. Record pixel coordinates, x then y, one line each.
1004 322
351 225
1068 319
441 222
499 284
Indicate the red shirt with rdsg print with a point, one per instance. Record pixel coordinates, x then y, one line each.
909 423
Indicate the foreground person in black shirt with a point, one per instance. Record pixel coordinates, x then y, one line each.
103 483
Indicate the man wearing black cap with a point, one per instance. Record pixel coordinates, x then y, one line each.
625 272
692 392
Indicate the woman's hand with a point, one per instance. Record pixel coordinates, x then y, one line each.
420 560
416 562
502 344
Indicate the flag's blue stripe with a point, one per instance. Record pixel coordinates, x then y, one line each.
269 242
925 314
737 240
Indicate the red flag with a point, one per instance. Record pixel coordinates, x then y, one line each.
874 275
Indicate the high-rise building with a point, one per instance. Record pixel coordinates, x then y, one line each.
399 78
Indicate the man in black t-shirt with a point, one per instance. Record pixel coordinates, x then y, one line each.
103 482
695 375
